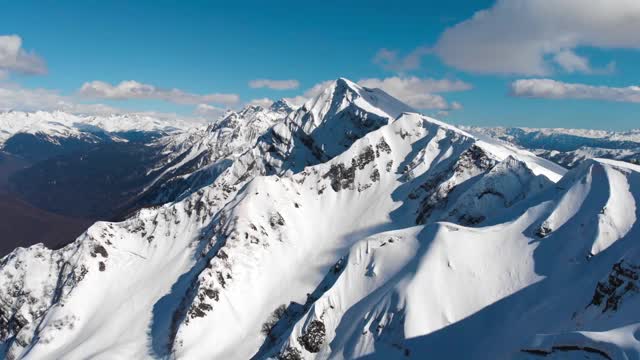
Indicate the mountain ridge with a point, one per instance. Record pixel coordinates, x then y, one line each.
410 238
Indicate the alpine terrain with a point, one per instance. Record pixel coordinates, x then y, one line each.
570 147
349 227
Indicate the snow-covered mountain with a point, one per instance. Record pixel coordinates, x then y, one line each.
59 124
570 147
127 158
270 140
351 227
195 158
36 135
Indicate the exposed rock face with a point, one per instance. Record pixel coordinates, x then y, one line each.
290 353
435 191
343 177
313 336
621 282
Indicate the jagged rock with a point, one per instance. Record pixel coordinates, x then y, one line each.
621 282
290 353
313 337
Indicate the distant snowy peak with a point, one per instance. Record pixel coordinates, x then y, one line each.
569 147
514 132
59 124
52 124
139 122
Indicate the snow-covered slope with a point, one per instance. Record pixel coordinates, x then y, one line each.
418 239
283 234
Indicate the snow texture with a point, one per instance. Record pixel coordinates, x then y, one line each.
384 233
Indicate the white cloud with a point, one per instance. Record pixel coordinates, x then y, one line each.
456 106
14 97
420 93
264 102
274 84
571 62
309 93
135 90
535 37
552 89
13 58
318 88
390 60
209 111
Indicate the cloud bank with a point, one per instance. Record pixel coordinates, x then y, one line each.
274 84
536 37
14 97
552 89
309 93
391 60
132 89
420 93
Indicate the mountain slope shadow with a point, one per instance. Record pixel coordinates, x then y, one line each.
92 185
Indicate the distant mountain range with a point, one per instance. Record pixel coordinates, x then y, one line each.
569 147
350 227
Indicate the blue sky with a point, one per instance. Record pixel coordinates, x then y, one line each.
579 74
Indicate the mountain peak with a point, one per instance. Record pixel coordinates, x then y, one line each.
334 119
344 93
282 105
344 82
251 109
